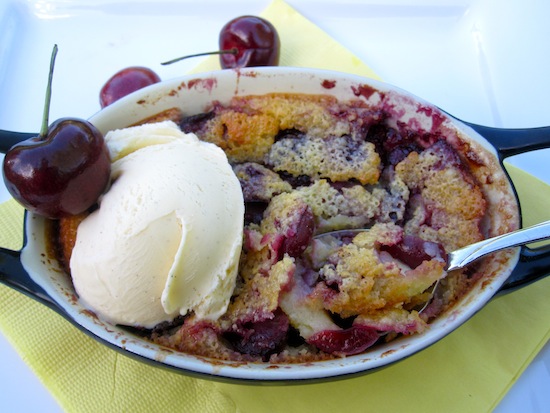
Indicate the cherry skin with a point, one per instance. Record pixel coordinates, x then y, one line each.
353 340
126 81
62 173
255 41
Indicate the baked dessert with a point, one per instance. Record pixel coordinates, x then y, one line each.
309 164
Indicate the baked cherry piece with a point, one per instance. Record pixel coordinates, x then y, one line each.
347 342
126 81
255 40
299 232
63 170
260 338
413 251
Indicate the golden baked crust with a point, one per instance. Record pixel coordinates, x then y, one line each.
173 114
246 131
67 228
456 202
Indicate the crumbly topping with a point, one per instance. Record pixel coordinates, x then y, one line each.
337 158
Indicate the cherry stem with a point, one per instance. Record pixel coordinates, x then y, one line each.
46 115
230 51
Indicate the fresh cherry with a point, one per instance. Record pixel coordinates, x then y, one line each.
246 41
63 170
126 81
255 39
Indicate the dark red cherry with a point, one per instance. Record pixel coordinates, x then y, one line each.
63 170
245 41
125 82
255 40
61 174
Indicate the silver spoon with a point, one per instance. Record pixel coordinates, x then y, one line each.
470 253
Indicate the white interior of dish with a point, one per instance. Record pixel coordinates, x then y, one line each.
192 94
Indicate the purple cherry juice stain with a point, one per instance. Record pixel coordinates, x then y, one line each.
205 84
364 90
328 84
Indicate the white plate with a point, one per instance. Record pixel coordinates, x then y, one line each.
483 61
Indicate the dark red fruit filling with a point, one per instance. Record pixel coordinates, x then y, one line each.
298 235
391 145
352 340
262 338
194 123
413 251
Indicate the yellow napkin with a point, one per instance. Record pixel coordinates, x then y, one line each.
468 371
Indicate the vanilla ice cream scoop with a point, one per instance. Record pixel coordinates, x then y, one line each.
167 236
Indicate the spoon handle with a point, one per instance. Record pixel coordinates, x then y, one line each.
462 257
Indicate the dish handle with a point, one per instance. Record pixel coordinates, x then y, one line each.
534 263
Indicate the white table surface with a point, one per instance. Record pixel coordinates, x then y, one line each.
485 61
